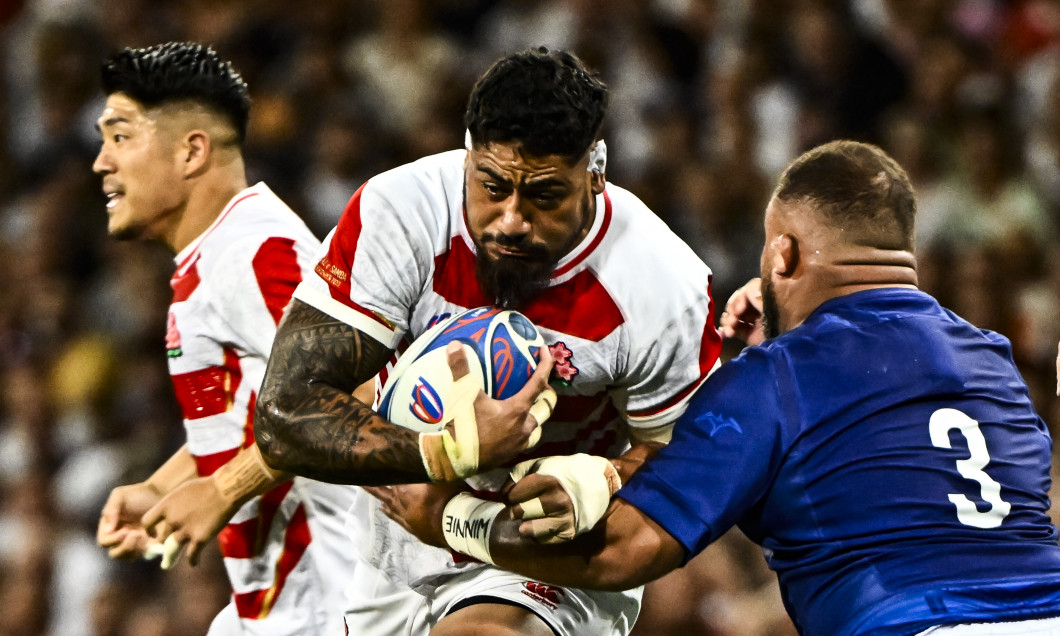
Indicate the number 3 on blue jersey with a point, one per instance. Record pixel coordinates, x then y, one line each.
942 422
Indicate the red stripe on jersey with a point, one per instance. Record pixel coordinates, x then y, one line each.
208 391
276 269
581 306
710 344
246 539
454 276
606 223
258 604
207 464
184 283
248 426
336 265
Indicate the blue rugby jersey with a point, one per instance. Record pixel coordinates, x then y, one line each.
887 457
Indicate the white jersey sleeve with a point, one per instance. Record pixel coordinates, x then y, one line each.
377 263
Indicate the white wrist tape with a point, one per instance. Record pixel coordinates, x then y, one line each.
451 456
589 482
466 524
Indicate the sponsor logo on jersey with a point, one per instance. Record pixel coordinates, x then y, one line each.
547 595
717 423
173 349
563 371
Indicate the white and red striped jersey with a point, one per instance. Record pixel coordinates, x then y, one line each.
627 314
285 552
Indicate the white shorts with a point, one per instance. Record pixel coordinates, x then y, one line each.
396 610
1036 627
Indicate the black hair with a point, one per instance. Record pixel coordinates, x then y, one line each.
856 187
546 100
177 71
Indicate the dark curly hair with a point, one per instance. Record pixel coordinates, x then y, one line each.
177 71
857 187
546 100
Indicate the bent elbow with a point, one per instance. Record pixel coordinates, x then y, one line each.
268 424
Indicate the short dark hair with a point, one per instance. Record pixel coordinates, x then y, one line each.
546 100
858 187
178 71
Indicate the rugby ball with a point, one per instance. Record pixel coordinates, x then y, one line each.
502 348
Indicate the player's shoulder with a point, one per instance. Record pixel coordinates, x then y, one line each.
437 176
640 257
253 216
638 231
256 225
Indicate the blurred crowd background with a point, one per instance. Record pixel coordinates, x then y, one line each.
710 99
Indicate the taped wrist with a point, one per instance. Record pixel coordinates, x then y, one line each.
245 474
448 456
466 524
589 482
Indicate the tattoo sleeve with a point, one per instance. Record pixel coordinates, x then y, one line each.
307 421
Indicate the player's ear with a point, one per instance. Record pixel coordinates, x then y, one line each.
597 181
785 254
196 148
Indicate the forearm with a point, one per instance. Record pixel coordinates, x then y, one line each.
624 550
630 462
246 476
339 440
308 422
176 470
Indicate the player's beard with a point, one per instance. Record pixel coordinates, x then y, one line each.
513 282
770 310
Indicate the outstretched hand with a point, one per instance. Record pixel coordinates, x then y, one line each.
742 317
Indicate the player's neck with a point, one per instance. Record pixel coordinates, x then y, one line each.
207 200
874 269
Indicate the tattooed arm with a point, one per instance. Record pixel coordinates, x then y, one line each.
308 422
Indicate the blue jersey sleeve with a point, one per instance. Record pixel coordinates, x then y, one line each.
722 458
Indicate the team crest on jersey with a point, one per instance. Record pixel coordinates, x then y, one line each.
547 595
564 371
172 337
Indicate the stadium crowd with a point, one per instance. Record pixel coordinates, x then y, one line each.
710 100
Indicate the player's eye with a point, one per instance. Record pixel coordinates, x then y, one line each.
547 198
494 190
